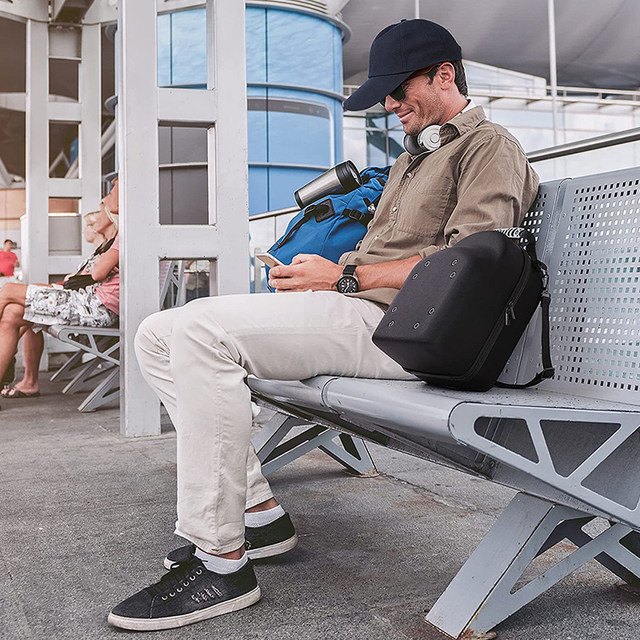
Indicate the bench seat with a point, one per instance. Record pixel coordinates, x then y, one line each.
570 446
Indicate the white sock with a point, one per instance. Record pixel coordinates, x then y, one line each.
220 565
261 518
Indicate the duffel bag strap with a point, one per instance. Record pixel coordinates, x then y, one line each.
359 216
527 239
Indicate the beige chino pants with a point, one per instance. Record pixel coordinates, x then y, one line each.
197 358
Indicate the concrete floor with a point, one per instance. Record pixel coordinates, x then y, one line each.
86 517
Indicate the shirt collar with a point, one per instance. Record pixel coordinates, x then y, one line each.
469 118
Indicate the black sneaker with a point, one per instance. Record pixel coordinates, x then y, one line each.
187 594
273 539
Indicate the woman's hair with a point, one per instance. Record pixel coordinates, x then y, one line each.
114 217
90 218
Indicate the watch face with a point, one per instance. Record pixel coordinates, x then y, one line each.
348 284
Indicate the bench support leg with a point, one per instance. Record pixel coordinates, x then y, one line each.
107 391
483 593
67 369
274 452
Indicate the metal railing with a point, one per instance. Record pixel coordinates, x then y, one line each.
588 144
549 153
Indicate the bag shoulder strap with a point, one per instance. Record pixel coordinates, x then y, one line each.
527 239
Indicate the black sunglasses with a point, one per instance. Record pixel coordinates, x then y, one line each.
398 94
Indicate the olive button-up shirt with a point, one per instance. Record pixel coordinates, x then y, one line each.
479 179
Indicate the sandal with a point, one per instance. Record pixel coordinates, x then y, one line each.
11 393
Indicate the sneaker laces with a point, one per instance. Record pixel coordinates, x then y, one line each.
178 578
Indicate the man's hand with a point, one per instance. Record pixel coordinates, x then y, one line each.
306 272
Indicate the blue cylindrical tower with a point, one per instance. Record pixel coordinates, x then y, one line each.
294 89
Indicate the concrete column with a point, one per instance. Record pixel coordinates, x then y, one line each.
137 114
221 108
35 231
90 154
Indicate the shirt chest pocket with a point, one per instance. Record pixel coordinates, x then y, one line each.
428 199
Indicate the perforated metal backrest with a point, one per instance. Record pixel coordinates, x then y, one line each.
542 220
594 271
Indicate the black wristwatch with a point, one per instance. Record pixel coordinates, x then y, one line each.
348 282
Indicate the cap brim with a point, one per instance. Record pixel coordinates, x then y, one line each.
374 90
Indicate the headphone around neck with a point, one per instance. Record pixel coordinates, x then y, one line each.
427 141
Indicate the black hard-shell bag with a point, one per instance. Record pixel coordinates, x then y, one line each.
462 310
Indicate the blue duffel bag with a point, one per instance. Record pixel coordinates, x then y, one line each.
335 224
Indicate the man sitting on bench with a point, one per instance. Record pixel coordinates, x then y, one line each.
462 174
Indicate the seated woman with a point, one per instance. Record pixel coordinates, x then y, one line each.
32 341
25 306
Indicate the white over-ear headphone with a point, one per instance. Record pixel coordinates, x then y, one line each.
427 141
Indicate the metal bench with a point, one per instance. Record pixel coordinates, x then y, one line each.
101 371
95 363
569 446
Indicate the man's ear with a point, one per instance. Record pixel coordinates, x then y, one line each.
446 75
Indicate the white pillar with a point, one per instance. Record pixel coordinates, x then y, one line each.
35 233
553 67
137 118
141 107
90 153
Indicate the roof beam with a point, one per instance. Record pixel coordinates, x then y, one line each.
25 10
70 10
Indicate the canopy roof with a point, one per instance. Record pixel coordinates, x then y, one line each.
597 42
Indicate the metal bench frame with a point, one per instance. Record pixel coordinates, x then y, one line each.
101 371
569 446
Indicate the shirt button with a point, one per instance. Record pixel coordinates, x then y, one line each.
394 209
409 175
376 237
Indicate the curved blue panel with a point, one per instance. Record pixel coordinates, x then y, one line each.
299 139
300 50
256 34
258 189
284 182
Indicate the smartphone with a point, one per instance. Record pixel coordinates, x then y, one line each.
269 260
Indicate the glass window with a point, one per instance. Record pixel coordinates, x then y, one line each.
257 125
299 138
183 195
183 189
258 190
256 44
182 48
164 50
63 148
189 47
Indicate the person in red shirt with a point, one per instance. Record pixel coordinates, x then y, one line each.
8 260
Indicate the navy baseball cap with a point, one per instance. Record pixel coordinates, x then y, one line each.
398 51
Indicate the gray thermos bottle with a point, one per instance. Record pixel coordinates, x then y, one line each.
342 178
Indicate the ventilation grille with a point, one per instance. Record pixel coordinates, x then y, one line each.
595 288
